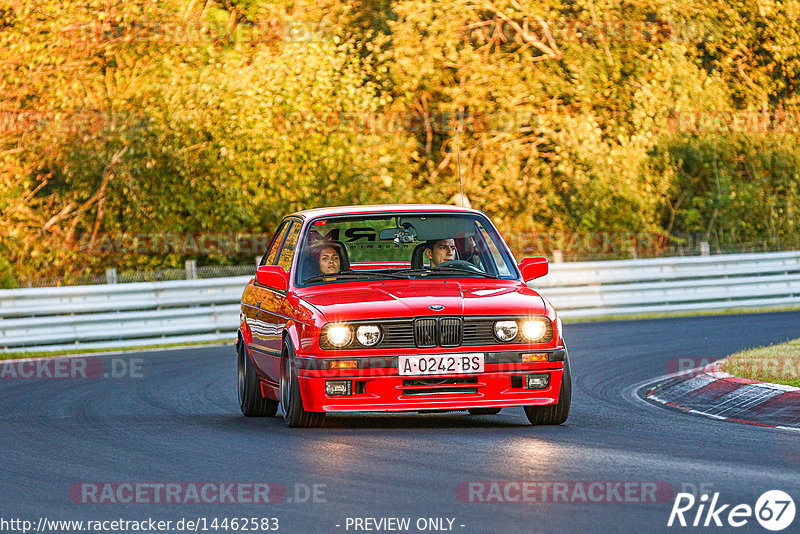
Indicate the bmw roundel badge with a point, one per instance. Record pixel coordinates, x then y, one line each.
436 307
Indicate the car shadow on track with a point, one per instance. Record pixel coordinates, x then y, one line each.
406 421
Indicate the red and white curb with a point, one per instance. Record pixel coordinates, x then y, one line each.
711 392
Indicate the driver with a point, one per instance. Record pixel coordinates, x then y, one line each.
440 250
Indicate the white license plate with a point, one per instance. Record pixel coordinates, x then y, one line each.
441 364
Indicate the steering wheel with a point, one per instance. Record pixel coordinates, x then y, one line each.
459 264
473 257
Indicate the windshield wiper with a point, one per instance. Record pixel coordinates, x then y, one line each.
447 270
353 275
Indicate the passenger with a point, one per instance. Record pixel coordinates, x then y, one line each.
329 261
441 250
324 258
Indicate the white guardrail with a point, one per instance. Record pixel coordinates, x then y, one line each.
154 313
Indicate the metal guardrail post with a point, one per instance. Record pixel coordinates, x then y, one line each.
705 248
111 276
191 269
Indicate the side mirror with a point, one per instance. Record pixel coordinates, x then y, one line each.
533 268
273 276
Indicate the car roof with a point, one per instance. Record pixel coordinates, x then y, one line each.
380 208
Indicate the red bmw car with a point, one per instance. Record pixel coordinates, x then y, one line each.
397 308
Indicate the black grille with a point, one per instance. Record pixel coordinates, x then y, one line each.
479 332
440 381
397 334
425 332
450 332
444 331
439 391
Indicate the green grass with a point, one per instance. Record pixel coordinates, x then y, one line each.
88 350
777 364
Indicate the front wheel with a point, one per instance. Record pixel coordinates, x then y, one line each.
554 414
291 401
251 402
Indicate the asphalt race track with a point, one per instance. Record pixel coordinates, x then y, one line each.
177 420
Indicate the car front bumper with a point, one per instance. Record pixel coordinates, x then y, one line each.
387 391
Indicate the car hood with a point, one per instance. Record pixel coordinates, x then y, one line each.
392 299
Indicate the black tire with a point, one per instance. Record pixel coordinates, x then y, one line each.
251 402
554 414
292 402
484 411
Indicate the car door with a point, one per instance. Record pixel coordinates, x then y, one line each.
266 320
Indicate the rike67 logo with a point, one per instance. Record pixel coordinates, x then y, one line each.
774 510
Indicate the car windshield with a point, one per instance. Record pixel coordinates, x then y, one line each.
406 246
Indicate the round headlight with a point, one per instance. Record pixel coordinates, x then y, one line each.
506 330
339 335
368 334
534 329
